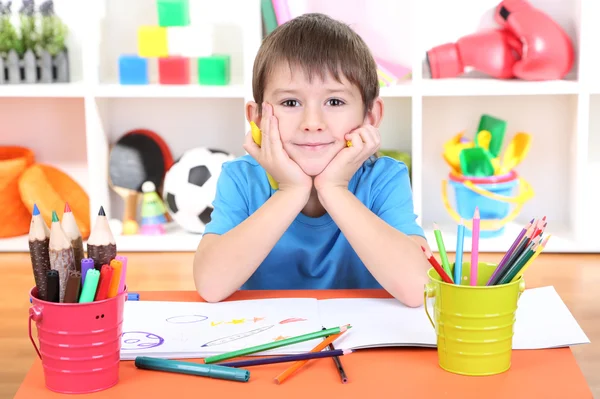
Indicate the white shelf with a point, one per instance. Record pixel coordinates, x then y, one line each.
116 90
91 113
59 90
493 87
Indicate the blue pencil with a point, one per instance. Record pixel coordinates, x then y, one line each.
289 358
460 238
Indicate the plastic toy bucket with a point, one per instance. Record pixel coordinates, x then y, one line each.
493 195
79 343
473 324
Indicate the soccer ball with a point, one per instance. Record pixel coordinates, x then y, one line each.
190 187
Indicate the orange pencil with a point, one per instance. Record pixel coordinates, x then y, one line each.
438 268
113 289
290 370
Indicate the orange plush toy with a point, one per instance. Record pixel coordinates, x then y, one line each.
50 188
14 216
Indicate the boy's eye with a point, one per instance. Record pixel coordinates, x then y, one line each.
335 102
290 103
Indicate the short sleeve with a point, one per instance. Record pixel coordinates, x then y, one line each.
230 206
393 201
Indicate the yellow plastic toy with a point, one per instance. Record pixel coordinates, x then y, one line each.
257 137
484 137
515 152
452 150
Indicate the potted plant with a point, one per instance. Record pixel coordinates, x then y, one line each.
52 50
9 39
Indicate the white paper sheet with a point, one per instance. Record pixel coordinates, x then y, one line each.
197 329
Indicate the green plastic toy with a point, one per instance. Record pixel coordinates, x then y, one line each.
476 162
497 128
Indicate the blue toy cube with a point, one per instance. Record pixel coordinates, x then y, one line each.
133 70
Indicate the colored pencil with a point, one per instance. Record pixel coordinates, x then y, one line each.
441 249
61 254
433 262
39 240
509 252
508 275
338 364
460 238
539 249
475 247
276 344
284 359
101 245
516 253
69 226
294 367
539 228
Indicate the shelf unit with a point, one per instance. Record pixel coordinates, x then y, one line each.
73 125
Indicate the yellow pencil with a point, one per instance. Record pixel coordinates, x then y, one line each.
540 248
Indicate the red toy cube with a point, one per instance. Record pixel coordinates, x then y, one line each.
174 70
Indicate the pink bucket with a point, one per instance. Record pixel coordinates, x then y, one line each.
80 343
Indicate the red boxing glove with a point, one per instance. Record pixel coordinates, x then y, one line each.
547 50
493 52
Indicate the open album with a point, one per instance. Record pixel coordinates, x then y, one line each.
197 329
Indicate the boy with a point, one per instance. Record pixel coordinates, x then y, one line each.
340 217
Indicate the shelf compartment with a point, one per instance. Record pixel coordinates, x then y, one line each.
551 120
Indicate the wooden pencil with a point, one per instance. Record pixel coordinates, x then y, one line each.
101 245
39 240
69 226
61 255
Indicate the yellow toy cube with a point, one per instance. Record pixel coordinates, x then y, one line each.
152 41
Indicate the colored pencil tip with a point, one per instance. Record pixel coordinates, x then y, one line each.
476 214
54 217
67 207
36 211
101 211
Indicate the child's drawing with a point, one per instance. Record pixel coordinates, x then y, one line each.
185 319
135 340
292 320
235 337
280 338
254 320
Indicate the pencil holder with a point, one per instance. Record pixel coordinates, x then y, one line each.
473 324
79 343
493 196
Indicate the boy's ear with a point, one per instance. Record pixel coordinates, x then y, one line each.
252 113
375 114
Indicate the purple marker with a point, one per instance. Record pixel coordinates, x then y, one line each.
122 282
86 264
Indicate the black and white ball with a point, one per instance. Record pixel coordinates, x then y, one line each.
190 187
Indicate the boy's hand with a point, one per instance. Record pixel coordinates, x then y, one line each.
365 142
272 156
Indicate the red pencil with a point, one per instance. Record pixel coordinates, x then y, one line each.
438 268
106 273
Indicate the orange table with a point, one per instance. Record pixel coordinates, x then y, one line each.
389 372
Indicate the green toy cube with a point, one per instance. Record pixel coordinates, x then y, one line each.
214 70
173 12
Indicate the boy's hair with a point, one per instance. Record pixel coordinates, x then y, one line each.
318 44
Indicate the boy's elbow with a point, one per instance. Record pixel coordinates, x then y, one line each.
411 295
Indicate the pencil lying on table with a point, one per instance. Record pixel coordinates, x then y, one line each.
289 358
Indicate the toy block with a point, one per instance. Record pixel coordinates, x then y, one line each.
152 41
214 70
173 12
190 41
174 70
133 70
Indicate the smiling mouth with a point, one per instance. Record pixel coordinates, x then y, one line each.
313 146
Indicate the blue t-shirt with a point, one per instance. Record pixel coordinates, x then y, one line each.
313 252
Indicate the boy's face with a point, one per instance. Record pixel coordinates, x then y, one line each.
314 116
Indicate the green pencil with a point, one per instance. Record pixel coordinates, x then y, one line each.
277 344
519 263
442 249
